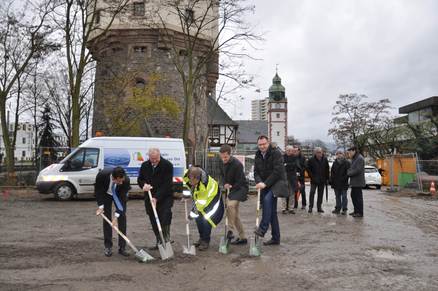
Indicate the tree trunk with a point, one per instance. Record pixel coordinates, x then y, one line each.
9 151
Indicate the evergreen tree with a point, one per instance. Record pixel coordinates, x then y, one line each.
47 138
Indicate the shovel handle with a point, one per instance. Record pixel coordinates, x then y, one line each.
258 208
157 220
119 232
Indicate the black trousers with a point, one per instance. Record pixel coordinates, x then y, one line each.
313 188
107 229
164 211
357 199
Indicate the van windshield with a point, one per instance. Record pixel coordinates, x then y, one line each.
81 159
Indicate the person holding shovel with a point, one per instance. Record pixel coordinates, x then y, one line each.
156 175
270 178
112 185
235 182
208 207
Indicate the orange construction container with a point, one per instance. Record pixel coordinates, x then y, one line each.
402 165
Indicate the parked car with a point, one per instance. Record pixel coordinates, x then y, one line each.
372 177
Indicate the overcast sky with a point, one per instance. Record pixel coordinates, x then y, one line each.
384 49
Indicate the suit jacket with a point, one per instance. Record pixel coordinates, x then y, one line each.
101 188
270 170
232 173
356 172
161 179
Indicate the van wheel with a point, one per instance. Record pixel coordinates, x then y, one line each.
64 191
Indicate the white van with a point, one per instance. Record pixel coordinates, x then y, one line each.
76 174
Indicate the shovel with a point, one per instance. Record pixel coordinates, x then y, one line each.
189 249
224 245
165 248
255 246
141 255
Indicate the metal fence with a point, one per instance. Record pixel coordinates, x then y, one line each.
407 172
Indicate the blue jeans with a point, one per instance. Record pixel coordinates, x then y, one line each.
204 227
341 199
269 216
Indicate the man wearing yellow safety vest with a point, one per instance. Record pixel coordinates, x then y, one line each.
208 207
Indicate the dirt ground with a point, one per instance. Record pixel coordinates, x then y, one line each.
50 245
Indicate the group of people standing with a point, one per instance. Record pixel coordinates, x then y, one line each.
276 175
342 175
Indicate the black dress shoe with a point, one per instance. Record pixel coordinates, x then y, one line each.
197 243
291 211
153 248
320 211
357 215
108 252
310 210
258 232
271 242
230 234
352 213
239 241
284 211
123 252
303 207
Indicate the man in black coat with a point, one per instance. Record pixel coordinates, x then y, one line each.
301 179
339 182
291 164
270 178
233 178
156 175
356 172
112 185
318 170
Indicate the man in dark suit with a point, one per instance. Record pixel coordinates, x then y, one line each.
319 172
112 185
156 175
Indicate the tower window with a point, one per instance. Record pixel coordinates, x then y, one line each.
189 15
278 133
97 16
278 115
139 9
140 49
140 84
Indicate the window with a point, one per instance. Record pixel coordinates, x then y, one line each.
24 126
82 159
140 84
215 131
278 115
189 15
140 49
278 133
139 9
24 140
23 154
97 17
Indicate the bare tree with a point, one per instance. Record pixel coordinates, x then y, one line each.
207 28
23 39
81 24
354 119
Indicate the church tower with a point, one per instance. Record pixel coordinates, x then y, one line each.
277 113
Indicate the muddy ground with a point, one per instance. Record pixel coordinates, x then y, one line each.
50 245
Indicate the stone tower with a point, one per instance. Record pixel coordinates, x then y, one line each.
138 45
277 113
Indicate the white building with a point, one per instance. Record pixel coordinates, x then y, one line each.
259 109
24 147
277 113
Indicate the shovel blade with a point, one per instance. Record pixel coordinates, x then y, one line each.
166 251
255 247
189 250
143 257
224 245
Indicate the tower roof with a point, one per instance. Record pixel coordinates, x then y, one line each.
277 90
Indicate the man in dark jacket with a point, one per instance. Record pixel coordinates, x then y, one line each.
156 175
356 172
270 178
301 179
318 170
234 179
339 182
112 185
291 164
